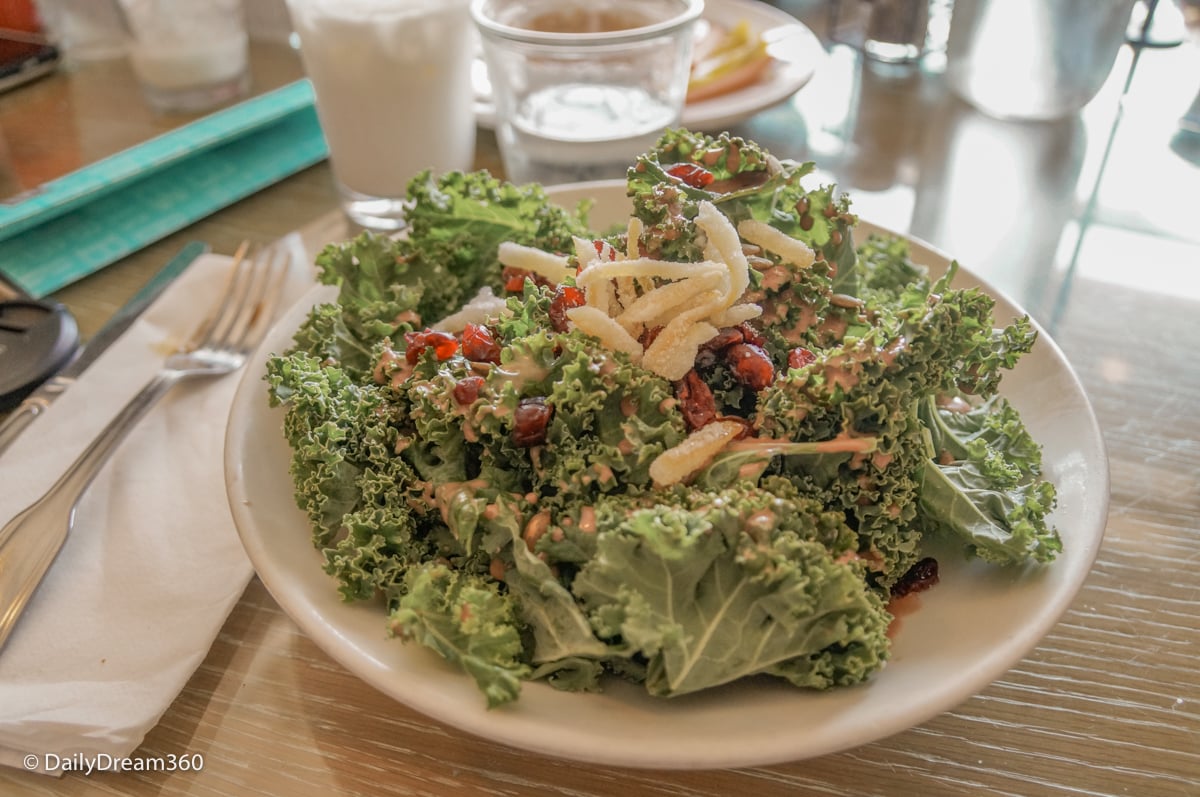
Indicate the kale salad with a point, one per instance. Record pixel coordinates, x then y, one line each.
713 443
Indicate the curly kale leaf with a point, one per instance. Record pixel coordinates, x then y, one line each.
982 482
377 298
327 423
887 272
469 622
561 631
927 343
458 221
748 184
722 587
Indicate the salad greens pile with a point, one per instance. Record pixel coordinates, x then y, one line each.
492 489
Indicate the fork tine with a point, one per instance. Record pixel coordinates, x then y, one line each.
259 308
206 331
266 313
247 287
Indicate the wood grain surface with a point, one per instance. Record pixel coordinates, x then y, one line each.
1107 704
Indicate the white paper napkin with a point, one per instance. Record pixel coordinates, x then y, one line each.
154 564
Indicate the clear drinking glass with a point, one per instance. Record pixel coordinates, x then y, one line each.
85 30
581 88
189 55
1033 59
393 86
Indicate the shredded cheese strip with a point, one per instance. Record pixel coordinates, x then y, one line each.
551 266
626 292
677 463
732 316
482 308
666 298
633 234
585 252
595 322
788 248
722 236
673 353
640 267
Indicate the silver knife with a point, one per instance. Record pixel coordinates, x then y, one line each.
36 402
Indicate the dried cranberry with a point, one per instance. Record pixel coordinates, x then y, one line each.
530 420
920 577
444 345
723 339
751 365
693 174
466 390
514 279
751 335
696 401
565 297
479 345
800 357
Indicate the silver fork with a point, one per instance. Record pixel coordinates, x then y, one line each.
31 540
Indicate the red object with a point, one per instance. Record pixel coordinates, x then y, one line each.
530 420
466 390
19 15
694 175
565 297
751 365
479 345
444 345
696 401
800 357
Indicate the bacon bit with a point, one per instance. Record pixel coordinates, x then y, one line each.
696 401
692 174
479 345
565 298
751 365
444 345
920 577
466 390
530 420
800 357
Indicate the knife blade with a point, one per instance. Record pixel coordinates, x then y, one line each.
44 395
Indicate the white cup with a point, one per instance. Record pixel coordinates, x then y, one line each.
189 55
393 85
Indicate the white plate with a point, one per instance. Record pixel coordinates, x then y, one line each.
971 628
795 49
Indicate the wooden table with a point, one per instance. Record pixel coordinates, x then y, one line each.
1091 223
